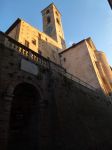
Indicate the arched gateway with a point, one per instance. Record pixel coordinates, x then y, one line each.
23 129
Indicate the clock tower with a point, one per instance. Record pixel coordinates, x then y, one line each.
52 24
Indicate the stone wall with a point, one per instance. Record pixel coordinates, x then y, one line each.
70 116
38 41
77 61
85 62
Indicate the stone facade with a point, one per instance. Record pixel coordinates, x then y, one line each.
52 24
42 106
43 109
88 64
81 60
47 43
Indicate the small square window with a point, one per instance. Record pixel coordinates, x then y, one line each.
34 41
26 43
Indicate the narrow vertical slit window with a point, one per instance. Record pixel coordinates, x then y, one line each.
26 43
48 20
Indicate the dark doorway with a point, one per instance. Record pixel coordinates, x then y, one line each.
23 130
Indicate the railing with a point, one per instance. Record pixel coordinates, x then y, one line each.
38 59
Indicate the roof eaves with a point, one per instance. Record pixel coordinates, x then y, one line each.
75 45
13 26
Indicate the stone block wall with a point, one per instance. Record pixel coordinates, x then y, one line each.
70 116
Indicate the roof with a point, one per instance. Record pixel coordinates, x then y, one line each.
75 45
52 4
13 26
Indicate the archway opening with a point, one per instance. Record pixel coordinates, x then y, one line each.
23 130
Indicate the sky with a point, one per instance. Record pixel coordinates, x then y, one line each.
81 19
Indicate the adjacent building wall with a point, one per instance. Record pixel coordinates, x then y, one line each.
103 59
77 61
97 68
15 32
106 71
82 61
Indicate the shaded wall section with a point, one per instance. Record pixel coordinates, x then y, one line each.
70 116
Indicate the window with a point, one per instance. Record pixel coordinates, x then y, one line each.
26 43
57 21
34 41
46 39
39 35
110 94
60 55
64 59
47 12
48 20
57 13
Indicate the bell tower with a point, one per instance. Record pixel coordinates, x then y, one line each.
52 24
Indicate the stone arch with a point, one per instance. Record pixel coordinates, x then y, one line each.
23 126
11 87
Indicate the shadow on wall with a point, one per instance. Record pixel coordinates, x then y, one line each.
110 95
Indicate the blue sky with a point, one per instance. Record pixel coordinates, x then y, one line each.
81 19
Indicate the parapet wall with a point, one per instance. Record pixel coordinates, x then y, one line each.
70 115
